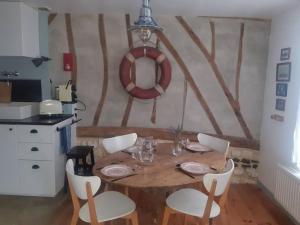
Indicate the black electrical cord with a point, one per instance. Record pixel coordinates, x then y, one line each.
82 103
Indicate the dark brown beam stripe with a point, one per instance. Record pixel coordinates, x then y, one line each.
232 102
213 40
103 44
159 133
190 80
239 63
51 17
153 114
133 74
72 49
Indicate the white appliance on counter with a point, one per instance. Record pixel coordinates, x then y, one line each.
18 110
50 107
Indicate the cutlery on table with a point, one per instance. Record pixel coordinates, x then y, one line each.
184 172
119 178
213 168
126 152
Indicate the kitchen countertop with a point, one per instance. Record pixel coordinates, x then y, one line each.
38 120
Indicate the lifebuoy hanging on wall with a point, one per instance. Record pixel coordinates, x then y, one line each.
151 53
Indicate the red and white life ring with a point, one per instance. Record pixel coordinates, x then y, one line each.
151 53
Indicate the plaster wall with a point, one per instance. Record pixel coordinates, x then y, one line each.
227 36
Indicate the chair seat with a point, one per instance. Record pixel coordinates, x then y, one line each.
109 205
191 202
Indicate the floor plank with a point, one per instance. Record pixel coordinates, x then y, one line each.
247 205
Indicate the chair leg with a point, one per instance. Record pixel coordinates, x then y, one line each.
74 219
185 219
134 218
106 187
166 216
126 192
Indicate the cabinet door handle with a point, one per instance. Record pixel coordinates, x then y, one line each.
33 131
35 167
34 149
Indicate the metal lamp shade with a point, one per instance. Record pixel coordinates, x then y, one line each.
145 24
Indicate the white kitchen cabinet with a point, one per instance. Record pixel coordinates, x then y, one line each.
37 177
8 160
32 161
19 30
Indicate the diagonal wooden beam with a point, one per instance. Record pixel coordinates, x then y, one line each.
133 74
239 63
105 69
234 104
190 80
51 17
72 49
213 40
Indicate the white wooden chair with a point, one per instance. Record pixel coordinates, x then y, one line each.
119 143
195 203
215 143
107 206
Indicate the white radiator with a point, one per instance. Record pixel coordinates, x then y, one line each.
287 190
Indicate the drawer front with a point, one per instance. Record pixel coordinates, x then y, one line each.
35 151
31 133
37 177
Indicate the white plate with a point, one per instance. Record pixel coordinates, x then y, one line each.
116 170
196 147
195 168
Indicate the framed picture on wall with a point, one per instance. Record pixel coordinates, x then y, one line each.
281 89
280 104
285 54
283 71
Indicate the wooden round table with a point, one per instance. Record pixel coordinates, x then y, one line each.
156 179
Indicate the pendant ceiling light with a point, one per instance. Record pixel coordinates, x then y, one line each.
145 25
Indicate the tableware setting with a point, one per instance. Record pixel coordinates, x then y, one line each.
197 147
195 168
184 172
116 170
143 150
133 151
101 167
120 178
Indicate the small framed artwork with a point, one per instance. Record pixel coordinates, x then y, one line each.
285 54
283 71
280 104
281 89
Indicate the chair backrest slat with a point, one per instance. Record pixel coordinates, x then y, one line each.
119 143
215 143
79 182
221 178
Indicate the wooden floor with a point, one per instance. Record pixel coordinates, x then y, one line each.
247 205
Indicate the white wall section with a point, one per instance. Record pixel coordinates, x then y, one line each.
277 137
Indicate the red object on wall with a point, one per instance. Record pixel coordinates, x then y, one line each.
68 61
130 86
